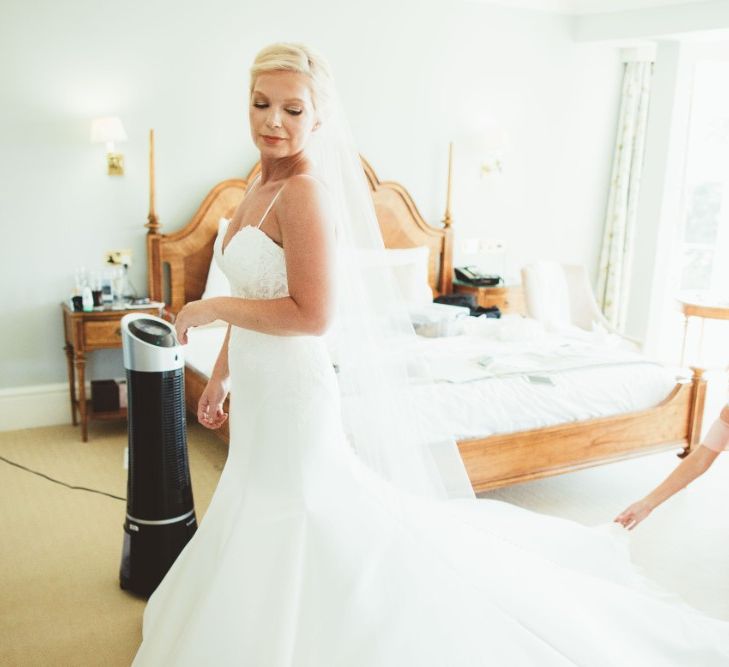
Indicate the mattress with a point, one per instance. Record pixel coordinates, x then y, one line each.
508 376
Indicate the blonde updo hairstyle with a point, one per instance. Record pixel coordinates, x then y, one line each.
290 57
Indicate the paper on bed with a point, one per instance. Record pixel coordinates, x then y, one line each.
462 358
457 370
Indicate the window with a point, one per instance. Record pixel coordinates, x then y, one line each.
705 229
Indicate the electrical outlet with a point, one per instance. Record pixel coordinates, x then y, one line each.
491 245
118 257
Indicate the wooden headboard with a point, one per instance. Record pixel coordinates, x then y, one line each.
178 263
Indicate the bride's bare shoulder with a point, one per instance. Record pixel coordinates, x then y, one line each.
305 199
304 183
305 189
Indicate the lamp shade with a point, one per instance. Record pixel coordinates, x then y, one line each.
107 129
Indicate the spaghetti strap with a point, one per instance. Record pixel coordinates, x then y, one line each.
251 183
273 201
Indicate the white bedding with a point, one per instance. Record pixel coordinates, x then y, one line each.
510 375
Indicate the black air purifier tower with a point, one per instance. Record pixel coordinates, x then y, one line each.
160 512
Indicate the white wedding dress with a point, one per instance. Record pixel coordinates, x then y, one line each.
300 561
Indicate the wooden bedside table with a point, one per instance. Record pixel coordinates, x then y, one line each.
509 299
86 332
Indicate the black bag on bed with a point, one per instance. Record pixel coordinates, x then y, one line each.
491 311
468 301
465 300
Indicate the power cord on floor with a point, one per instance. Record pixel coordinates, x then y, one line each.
81 488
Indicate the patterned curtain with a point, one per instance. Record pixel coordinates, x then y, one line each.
617 244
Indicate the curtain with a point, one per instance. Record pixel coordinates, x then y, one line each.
620 218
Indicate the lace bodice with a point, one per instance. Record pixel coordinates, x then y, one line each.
253 263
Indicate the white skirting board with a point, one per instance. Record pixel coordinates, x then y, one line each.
37 405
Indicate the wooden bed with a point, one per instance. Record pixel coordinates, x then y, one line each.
177 271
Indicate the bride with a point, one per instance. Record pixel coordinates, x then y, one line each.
335 537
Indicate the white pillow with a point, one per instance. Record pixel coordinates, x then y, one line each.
411 272
217 284
410 269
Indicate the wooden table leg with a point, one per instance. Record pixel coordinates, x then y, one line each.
80 363
71 381
701 342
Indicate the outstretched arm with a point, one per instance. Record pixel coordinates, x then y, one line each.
695 464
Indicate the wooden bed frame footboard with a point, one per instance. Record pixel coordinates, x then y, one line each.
501 460
511 458
177 271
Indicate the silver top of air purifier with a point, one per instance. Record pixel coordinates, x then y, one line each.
150 344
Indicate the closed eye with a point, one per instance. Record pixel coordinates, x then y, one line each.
263 105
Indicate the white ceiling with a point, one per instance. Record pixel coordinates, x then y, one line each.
581 7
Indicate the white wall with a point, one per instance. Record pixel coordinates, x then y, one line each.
558 103
652 22
412 76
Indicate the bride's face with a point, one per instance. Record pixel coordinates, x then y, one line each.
282 115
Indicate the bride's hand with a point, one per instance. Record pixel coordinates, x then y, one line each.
633 515
210 406
192 314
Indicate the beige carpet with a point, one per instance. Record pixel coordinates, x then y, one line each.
61 548
60 552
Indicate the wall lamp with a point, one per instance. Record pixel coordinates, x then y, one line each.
108 130
494 144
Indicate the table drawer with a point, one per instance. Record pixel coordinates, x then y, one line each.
102 334
510 301
490 300
507 299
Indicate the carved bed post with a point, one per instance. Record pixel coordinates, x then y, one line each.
154 267
445 283
696 415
